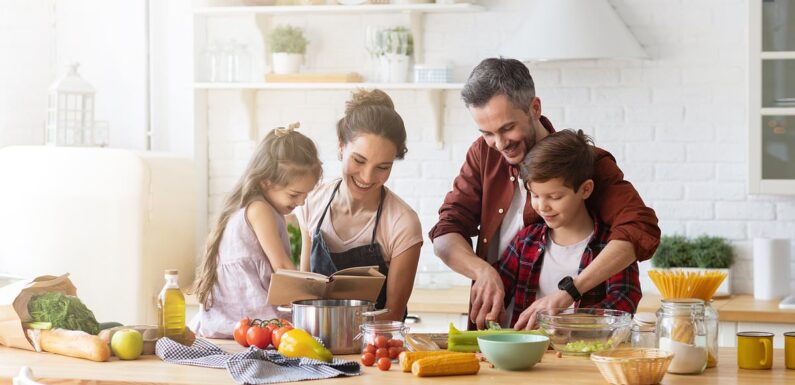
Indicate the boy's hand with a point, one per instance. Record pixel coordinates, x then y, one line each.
527 320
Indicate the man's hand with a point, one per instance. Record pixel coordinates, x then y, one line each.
559 300
487 296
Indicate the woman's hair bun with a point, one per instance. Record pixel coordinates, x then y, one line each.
364 97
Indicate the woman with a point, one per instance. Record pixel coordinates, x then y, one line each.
355 220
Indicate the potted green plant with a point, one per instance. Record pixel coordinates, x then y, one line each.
288 46
393 48
705 253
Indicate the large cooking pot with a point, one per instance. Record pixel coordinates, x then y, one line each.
336 322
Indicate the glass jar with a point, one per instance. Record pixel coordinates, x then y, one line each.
643 331
712 323
681 329
384 338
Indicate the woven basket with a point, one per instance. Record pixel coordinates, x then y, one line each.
633 366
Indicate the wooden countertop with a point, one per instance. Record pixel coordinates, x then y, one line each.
55 369
737 308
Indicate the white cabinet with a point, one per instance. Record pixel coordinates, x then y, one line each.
771 109
727 336
426 322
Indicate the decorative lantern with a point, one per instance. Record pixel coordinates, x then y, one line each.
70 113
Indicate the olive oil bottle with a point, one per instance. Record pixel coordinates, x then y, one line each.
171 308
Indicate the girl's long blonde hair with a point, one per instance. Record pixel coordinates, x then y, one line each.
283 155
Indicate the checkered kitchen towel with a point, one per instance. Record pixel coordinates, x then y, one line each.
253 366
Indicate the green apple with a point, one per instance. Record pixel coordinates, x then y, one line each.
127 344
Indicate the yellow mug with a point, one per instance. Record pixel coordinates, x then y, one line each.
789 350
754 350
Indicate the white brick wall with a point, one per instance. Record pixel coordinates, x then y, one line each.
676 123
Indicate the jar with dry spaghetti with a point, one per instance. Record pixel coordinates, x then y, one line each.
681 330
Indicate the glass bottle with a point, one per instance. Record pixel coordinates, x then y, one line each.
226 63
681 330
390 335
242 63
211 70
171 308
643 331
712 323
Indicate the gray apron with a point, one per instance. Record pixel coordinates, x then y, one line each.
325 262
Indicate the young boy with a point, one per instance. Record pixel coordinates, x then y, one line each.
545 257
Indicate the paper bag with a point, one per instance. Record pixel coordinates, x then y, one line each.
14 306
362 283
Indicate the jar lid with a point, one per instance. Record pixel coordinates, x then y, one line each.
383 326
645 319
682 302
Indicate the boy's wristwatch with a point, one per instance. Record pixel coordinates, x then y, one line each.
567 283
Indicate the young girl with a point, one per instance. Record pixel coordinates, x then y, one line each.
250 240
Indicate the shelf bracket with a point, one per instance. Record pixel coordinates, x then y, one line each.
249 98
436 101
417 19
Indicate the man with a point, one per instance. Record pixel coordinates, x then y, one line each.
488 201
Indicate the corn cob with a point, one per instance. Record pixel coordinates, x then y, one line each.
446 365
406 359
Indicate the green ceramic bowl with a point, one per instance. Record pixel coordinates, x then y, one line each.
513 351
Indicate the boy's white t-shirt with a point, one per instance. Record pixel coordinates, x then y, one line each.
559 261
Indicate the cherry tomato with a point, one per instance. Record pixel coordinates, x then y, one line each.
277 335
368 359
380 342
381 352
370 348
394 352
384 363
285 322
240 331
258 336
271 327
395 343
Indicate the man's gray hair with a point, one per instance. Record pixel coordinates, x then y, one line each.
495 76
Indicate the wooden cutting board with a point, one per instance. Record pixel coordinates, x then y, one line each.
351 77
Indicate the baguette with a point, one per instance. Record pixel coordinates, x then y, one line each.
74 343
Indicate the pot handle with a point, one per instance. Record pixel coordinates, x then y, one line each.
284 309
375 312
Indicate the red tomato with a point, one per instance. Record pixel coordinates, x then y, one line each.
395 343
271 327
277 335
368 359
240 331
380 342
258 336
384 363
394 352
381 352
370 348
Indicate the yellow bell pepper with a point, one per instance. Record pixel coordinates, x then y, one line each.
298 343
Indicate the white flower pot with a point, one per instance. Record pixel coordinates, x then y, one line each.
286 63
394 68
